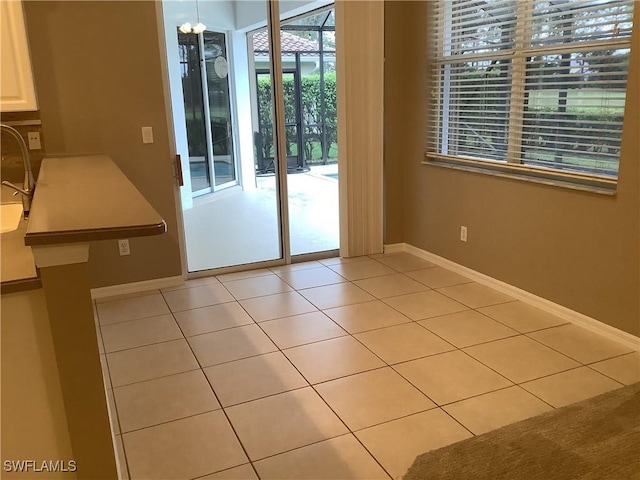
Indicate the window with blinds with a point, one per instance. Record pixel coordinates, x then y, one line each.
537 86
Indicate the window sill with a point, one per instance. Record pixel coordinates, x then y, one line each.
600 186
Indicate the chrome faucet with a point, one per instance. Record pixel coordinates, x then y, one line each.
29 185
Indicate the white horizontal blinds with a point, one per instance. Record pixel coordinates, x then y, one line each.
575 85
539 83
473 69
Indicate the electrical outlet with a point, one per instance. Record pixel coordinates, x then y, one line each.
34 140
463 233
147 135
123 246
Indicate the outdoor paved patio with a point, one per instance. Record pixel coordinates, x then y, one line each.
237 226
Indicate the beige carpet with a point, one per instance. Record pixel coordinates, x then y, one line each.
595 439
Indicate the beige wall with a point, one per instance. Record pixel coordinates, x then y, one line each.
98 75
577 249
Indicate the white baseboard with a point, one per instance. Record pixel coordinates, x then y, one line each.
136 287
565 313
394 248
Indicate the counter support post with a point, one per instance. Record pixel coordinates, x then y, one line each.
64 274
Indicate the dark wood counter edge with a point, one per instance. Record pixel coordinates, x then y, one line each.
92 235
22 285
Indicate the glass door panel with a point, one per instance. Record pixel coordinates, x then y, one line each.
308 47
217 74
240 226
194 110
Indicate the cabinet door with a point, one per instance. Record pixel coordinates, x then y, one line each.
17 91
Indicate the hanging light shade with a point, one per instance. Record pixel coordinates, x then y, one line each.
185 27
199 28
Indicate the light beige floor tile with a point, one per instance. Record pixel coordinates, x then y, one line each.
277 306
521 316
152 361
404 262
496 409
121 459
390 285
330 359
124 296
438 277
137 333
113 413
213 318
232 344
161 400
243 472
451 376
131 309
331 296
186 448
475 295
366 316
196 297
569 387
230 277
194 282
282 422
342 260
579 343
257 286
467 328
374 397
624 369
308 278
294 267
253 378
521 359
418 306
396 444
403 342
301 329
338 458
360 270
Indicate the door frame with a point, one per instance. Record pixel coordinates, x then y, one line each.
368 19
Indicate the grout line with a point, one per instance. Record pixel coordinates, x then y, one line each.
353 335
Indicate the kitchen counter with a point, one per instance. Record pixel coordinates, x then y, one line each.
17 268
87 198
78 199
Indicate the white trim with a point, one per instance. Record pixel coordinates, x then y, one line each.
565 313
60 254
394 248
135 287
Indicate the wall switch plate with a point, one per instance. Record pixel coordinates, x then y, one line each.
123 246
147 135
463 233
34 140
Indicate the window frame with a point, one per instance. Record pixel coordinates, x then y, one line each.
524 48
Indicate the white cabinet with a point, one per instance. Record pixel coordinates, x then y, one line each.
17 90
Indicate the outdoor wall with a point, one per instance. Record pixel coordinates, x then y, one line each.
577 249
98 76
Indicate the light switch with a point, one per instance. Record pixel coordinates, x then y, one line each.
34 140
147 135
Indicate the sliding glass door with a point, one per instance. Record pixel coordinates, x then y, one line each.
242 150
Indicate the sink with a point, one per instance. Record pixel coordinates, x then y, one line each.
10 216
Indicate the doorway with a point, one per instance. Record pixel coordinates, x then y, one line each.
236 209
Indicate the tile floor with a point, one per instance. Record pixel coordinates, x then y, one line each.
343 368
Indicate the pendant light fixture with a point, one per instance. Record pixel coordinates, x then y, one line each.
199 27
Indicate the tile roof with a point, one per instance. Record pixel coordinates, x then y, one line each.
288 43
